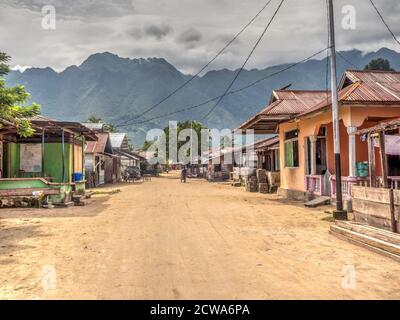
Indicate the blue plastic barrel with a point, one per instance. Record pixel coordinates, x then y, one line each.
77 176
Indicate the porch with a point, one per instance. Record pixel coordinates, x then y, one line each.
366 160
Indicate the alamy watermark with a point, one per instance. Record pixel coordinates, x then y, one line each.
349 20
349 277
49 17
189 146
49 277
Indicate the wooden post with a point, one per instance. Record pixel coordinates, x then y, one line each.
73 153
42 149
371 161
392 211
383 159
63 153
83 157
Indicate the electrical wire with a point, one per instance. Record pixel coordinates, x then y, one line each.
203 68
347 60
291 66
384 22
245 62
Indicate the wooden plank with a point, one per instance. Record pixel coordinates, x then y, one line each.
27 192
392 212
372 208
366 246
383 245
371 194
371 161
370 231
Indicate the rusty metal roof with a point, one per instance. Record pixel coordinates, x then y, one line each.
373 76
55 126
265 144
284 104
102 145
365 87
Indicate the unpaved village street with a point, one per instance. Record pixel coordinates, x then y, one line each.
165 240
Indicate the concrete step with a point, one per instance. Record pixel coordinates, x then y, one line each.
380 246
319 201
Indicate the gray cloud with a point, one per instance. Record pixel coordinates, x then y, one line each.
158 32
76 8
191 35
129 28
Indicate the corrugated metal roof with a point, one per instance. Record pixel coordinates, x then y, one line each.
98 146
293 101
365 87
373 76
264 144
54 124
287 103
94 126
118 140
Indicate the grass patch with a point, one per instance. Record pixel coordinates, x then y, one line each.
329 219
98 192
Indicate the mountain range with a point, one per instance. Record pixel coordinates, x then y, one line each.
118 89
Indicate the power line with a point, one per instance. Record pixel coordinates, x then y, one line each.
231 92
245 62
384 22
204 67
347 60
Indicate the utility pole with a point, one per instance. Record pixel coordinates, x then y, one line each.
339 213
191 144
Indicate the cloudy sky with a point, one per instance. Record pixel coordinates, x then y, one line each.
185 32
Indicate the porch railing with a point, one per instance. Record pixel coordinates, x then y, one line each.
394 182
347 183
314 184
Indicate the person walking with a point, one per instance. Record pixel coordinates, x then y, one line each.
183 175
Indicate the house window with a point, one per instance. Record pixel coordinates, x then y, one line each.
292 148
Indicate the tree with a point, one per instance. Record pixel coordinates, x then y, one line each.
146 145
379 64
13 100
197 127
107 126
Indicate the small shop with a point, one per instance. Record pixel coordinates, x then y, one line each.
50 161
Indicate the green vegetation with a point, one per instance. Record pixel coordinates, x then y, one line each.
146 145
12 102
379 64
197 126
107 126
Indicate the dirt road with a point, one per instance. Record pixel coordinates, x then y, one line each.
167 240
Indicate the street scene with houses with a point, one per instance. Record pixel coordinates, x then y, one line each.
203 197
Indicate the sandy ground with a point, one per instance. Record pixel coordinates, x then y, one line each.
167 240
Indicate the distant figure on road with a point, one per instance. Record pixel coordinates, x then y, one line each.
183 175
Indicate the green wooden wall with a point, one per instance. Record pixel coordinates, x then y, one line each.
52 162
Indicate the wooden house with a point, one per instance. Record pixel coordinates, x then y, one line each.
303 120
50 159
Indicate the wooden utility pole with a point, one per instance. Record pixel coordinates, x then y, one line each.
339 213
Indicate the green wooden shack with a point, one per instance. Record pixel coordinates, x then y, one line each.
52 158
